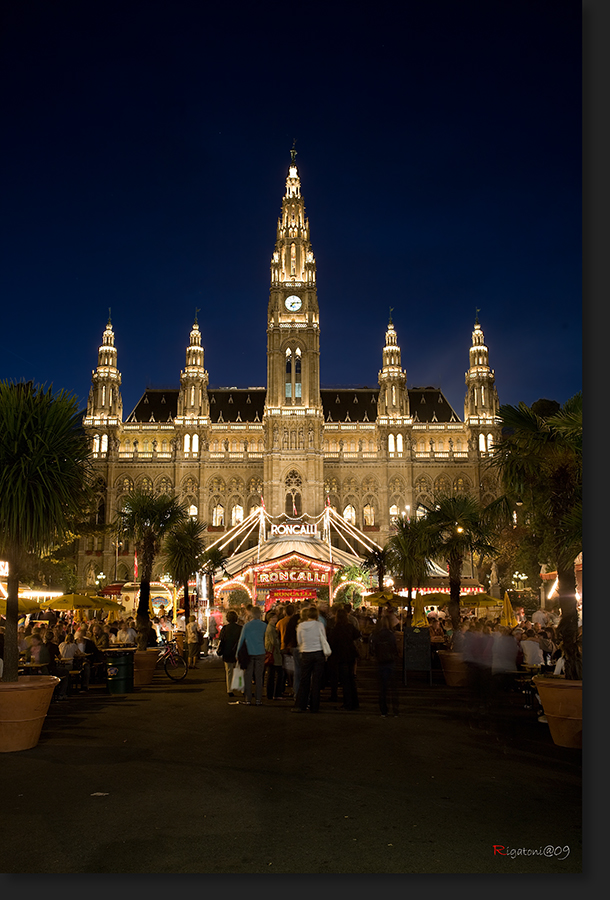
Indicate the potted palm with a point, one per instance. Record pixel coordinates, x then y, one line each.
540 463
147 518
44 486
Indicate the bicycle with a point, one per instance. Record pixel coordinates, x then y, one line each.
174 664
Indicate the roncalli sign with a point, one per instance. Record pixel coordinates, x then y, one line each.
293 576
297 528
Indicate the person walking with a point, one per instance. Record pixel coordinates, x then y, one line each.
273 660
253 636
384 650
227 646
311 638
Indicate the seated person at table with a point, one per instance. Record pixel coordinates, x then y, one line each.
61 691
68 648
532 652
126 634
92 656
38 653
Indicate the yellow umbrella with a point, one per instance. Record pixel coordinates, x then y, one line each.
420 619
25 605
508 617
380 598
70 601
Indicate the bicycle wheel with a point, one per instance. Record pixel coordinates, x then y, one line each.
175 667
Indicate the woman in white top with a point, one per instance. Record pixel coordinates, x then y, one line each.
311 638
69 648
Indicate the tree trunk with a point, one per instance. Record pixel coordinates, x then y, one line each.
455 584
143 616
187 603
10 671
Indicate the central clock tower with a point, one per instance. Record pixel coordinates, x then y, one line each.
293 420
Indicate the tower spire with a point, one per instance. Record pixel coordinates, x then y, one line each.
393 399
481 404
105 403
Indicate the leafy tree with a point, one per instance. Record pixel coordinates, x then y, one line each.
456 527
238 597
540 463
211 560
147 518
45 473
182 552
409 551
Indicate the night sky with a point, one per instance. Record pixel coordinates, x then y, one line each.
145 150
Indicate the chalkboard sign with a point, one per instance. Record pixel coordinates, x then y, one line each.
417 654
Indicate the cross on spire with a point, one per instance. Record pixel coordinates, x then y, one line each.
293 152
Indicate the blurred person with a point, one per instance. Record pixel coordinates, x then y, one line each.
253 636
273 660
530 647
227 646
311 640
342 662
193 633
384 650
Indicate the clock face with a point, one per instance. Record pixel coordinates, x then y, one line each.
293 303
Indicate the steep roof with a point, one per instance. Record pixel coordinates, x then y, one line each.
345 404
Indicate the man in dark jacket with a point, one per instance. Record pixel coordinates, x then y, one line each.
227 646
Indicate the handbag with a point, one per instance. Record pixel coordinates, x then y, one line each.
237 681
269 657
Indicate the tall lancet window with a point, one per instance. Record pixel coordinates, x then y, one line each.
293 259
192 395
297 376
288 374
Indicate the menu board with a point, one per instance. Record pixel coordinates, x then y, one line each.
417 654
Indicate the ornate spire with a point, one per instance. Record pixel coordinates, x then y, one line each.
193 396
481 400
105 401
393 399
293 261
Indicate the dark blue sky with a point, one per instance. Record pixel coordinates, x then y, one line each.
145 148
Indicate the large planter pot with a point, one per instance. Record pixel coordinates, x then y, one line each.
144 664
23 708
454 668
562 704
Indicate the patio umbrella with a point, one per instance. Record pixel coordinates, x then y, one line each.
508 617
419 619
380 598
70 601
25 605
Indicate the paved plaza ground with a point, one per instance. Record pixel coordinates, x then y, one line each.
173 779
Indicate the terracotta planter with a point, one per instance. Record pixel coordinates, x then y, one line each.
562 704
144 664
454 668
23 708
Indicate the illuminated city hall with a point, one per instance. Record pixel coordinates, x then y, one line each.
292 448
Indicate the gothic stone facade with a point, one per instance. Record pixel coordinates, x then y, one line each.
375 453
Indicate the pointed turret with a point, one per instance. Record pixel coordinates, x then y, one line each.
193 397
293 260
481 400
393 399
105 403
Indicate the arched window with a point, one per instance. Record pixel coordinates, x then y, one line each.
369 514
218 515
482 443
399 443
288 378
193 511
187 443
394 511
195 444
391 443
293 484
96 443
490 439
297 376
237 514
164 446
349 514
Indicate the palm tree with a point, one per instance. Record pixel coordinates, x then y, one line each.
182 552
409 552
376 560
458 526
540 464
147 518
212 559
44 484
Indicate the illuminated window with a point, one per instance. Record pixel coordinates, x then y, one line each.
96 443
193 511
391 443
399 443
195 444
237 514
297 376
187 443
293 259
349 514
218 515
288 378
369 514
